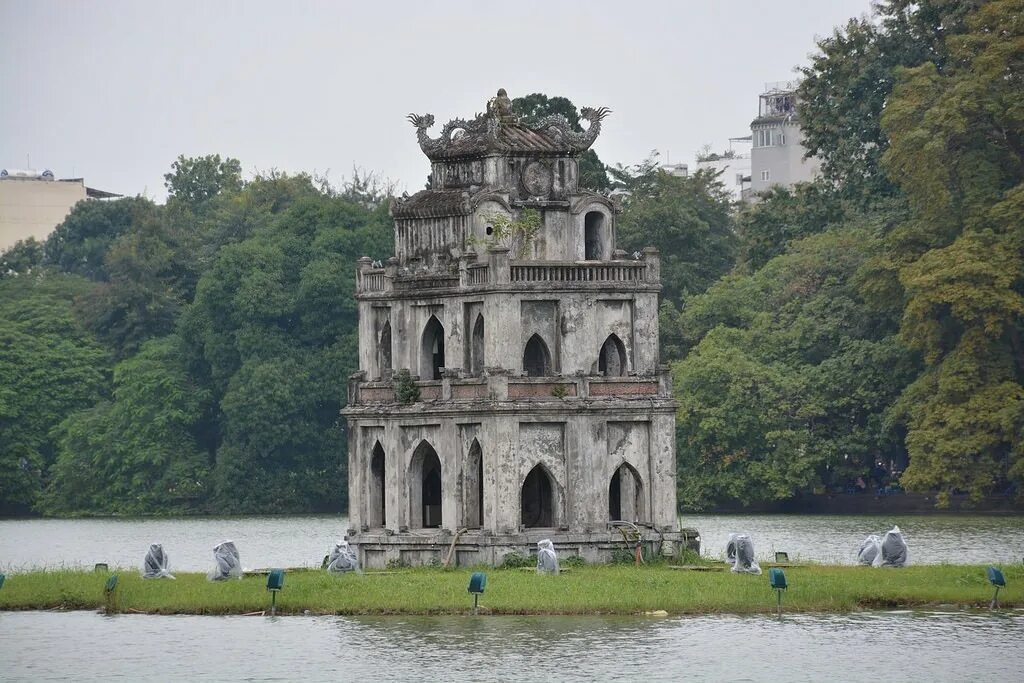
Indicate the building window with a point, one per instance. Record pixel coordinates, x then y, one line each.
432 355
384 349
536 358
425 488
593 236
781 138
612 359
766 175
476 347
626 495
537 499
377 516
474 488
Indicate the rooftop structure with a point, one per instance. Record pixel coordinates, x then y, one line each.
778 155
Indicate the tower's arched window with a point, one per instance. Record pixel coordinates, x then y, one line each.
537 500
384 348
474 487
626 495
377 512
432 354
425 488
612 361
536 357
593 236
476 347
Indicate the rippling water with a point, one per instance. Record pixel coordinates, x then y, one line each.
304 540
914 646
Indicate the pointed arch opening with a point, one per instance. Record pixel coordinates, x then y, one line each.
377 512
537 499
384 349
476 347
432 351
593 236
474 487
536 358
626 495
612 359
425 488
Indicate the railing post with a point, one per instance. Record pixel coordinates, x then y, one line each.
652 257
364 265
500 264
390 273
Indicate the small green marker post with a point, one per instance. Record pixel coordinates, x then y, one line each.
477 582
995 577
777 580
275 582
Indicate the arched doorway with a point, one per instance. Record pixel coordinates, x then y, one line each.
377 512
626 495
612 361
536 358
384 348
474 487
432 353
476 347
537 500
425 488
593 236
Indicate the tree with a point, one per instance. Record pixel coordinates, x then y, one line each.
782 216
81 242
848 84
138 453
689 221
49 367
195 180
531 108
21 258
957 151
789 376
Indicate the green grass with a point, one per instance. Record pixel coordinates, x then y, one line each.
610 589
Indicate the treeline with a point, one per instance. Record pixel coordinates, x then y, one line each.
190 357
875 315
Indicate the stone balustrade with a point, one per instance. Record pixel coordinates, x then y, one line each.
502 387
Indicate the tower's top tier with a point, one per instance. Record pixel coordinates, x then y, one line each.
499 132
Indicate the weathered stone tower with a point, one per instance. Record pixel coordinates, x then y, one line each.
542 411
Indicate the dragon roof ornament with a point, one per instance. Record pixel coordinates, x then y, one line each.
499 130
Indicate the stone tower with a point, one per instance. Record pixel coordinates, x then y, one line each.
542 410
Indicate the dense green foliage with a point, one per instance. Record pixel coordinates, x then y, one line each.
230 317
876 316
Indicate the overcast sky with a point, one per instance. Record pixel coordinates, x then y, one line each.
115 91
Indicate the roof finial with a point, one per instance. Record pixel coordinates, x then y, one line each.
500 106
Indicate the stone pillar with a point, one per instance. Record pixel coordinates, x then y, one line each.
390 273
364 265
663 470
652 257
499 264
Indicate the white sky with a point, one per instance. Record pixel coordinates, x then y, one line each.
115 91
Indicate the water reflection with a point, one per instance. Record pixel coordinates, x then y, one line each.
855 647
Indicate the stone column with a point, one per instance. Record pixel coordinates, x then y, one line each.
499 264
652 257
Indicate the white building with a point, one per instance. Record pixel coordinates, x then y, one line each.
777 154
32 204
733 165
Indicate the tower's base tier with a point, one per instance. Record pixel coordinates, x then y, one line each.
380 549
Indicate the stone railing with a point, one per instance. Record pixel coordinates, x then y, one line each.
371 281
477 275
417 283
503 387
598 271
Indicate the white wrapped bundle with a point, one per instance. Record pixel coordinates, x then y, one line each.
342 559
157 564
547 560
229 564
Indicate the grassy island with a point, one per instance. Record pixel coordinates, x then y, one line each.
610 589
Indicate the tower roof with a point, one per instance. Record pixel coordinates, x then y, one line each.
500 132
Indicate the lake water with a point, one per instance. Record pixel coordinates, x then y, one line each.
304 540
875 646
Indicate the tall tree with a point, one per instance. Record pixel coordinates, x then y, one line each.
195 180
49 367
957 151
849 81
81 242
